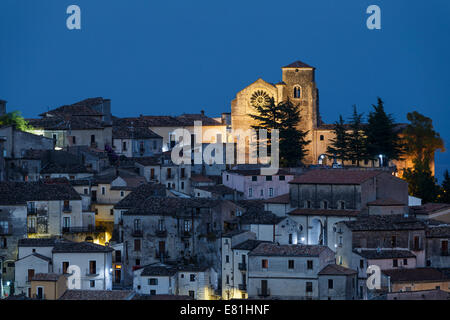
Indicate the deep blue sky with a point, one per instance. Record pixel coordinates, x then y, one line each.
170 57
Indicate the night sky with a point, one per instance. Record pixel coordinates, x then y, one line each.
173 57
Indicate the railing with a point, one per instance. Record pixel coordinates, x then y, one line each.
137 233
263 293
67 209
161 233
31 230
91 273
242 286
242 266
83 229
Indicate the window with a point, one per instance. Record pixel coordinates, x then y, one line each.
330 284
137 244
297 92
137 224
342 205
92 283
192 294
264 264
228 279
395 263
291 264
74 140
309 287
250 192
152 292
65 267
122 193
86 191
405 262
270 192
262 193
393 241
153 281
187 225
227 259
290 238
308 204
309 264
281 178
192 277
268 178
321 137
96 211
254 178
182 185
228 177
325 204
92 267
444 247
182 172
111 212
416 243
361 264
93 138
103 190
138 262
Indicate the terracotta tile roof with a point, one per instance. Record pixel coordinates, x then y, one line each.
46 277
16 193
249 244
72 123
38 242
385 254
283 199
79 247
292 250
140 194
261 217
251 205
384 223
200 178
298 64
161 297
166 271
149 161
97 295
233 233
335 176
334 269
257 172
188 120
416 275
72 110
324 212
133 132
439 231
219 189
150 121
385 202
64 168
429 208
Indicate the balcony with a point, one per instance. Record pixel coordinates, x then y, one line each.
161 233
91 273
137 233
67 209
170 176
242 266
87 229
186 234
242 286
263 293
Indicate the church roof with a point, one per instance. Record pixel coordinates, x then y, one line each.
298 64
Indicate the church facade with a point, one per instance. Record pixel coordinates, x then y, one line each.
299 85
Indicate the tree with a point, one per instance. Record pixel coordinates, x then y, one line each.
421 182
292 140
381 136
15 118
338 146
356 147
285 117
445 189
421 141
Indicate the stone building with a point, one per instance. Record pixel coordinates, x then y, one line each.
132 141
288 272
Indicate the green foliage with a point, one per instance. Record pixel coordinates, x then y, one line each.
381 137
285 117
338 146
421 182
421 141
356 141
15 118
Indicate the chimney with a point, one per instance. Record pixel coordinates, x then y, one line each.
2 107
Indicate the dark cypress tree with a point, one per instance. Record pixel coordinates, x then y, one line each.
292 140
356 146
338 147
381 137
445 189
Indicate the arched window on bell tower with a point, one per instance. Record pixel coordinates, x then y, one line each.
297 92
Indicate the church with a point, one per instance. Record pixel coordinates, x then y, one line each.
299 85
